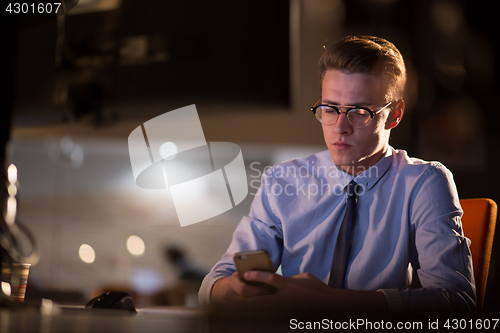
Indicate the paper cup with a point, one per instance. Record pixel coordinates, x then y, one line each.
16 275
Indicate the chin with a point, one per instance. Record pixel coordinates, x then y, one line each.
344 162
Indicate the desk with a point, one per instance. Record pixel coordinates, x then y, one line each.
67 319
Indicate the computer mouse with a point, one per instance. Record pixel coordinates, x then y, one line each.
112 300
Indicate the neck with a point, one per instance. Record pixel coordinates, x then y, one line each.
354 170
357 169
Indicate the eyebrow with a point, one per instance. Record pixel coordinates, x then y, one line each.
327 101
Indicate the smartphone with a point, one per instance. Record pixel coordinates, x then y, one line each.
254 260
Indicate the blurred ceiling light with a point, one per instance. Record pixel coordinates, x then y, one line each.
12 174
10 216
6 288
135 245
12 189
86 253
46 307
168 150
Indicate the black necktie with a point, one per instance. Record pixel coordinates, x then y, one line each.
344 240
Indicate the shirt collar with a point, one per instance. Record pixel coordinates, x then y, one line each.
370 177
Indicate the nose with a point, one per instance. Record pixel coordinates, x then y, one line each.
343 126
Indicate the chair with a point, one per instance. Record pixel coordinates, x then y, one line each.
478 222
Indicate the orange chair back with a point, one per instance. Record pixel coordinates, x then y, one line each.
478 222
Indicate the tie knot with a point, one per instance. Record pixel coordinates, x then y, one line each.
351 188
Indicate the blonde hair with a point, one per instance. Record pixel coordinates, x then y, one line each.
367 55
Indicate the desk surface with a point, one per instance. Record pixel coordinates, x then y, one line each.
62 319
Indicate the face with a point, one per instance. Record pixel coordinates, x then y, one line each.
357 149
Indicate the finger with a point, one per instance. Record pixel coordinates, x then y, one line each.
243 289
264 277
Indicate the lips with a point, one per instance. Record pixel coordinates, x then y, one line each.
341 145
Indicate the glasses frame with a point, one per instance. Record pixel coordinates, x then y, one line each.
349 108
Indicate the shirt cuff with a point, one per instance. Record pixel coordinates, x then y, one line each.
394 300
208 295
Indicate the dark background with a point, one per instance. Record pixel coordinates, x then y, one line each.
190 51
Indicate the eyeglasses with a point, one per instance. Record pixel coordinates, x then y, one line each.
358 116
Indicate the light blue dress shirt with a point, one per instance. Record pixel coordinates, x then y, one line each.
408 220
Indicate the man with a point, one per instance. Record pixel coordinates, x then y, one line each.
407 251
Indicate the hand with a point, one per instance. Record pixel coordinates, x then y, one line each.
231 289
301 289
307 291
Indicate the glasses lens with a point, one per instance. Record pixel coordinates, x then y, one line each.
359 117
327 115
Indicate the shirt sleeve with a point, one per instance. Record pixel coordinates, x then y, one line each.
441 257
260 230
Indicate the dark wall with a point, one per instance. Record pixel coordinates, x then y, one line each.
7 75
225 52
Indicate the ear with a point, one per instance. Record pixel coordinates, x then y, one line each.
396 114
